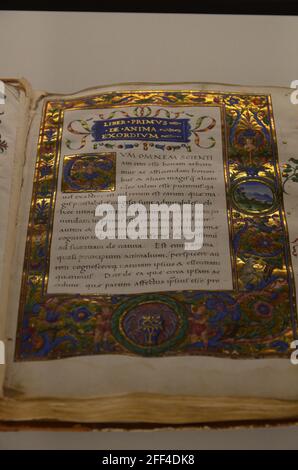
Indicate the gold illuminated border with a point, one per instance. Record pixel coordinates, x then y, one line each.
50 144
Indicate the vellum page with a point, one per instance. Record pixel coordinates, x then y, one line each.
10 120
79 263
209 370
13 130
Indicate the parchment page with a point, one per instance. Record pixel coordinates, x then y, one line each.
13 119
9 114
144 174
203 376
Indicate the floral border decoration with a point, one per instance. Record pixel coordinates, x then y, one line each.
258 319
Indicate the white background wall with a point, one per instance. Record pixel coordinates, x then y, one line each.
65 52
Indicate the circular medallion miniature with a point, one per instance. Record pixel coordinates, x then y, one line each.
150 324
253 196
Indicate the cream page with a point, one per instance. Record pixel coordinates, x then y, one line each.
115 374
160 173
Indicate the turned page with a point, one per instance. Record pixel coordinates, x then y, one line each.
14 109
126 314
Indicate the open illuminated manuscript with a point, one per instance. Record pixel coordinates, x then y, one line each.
115 326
